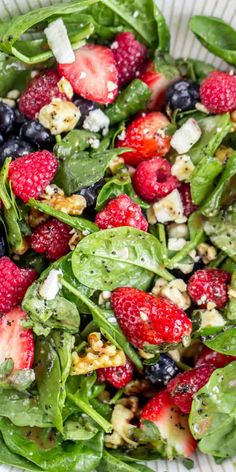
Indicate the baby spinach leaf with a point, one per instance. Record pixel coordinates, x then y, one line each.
203 177
8 457
74 430
221 230
75 141
193 68
224 342
116 462
22 409
117 185
230 309
13 75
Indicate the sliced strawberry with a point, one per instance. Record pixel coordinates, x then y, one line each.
218 360
93 75
16 342
158 83
172 425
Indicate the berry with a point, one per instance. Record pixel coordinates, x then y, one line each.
20 119
37 135
160 373
146 135
31 174
183 387
147 319
93 75
40 92
84 106
16 342
218 360
152 179
157 82
129 56
121 211
209 285
186 197
119 377
218 92
14 282
183 94
90 193
172 425
7 118
15 147
52 239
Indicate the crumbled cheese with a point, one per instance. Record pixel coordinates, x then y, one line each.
13 94
176 244
186 267
120 421
178 230
211 318
59 42
122 135
183 167
94 143
206 252
59 116
97 121
104 297
186 136
170 208
50 287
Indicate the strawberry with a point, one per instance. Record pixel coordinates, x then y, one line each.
93 75
16 342
172 425
209 285
218 92
121 211
158 82
129 55
152 179
52 239
30 174
147 319
186 198
183 387
119 377
218 360
146 135
14 282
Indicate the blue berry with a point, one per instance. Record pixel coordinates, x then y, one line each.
160 373
183 94
85 106
36 134
90 193
3 243
7 118
14 147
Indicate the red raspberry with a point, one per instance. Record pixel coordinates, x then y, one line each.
183 387
14 282
40 91
186 198
209 285
121 211
147 319
218 92
129 55
31 174
52 239
218 360
119 377
153 180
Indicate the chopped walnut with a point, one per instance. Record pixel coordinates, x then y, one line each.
76 237
23 248
139 387
132 403
175 290
72 205
36 217
207 252
223 152
120 421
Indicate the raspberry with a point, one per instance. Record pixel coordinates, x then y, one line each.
119 377
14 282
40 92
129 55
186 198
52 239
147 319
152 179
31 174
121 211
209 285
218 92
183 387
218 360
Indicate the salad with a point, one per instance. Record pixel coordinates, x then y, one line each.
117 240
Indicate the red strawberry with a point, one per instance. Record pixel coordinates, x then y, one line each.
30 175
119 377
129 55
39 93
183 387
93 75
121 211
209 285
218 360
16 342
172 425
147 319
152 179
158 84
146 135
52 239
14 282
186 198
218 92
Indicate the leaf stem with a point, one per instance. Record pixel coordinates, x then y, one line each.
89 410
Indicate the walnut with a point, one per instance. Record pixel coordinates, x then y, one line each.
138 387
207 252
223 152
36 217
72 205
132 403
120 421
23 248
76 237
175 290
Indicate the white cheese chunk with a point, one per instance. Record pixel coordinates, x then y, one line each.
186 136
170 208
59 43
51 285
183 167
97 121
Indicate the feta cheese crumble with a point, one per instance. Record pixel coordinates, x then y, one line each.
170 208
59 43
97 121
186 136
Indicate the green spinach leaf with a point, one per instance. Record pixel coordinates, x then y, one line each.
203 177
221 230
224 342
117 185
8 457
116 462
22 409
13 75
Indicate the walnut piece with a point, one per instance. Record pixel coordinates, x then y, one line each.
36 217
207 252
120 421
72 205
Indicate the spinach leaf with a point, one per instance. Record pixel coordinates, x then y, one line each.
117 185
13 75
213 415
8 457
75 141
203 177
116 462
193 68
221 230
79 428
224 342
230 309
22 409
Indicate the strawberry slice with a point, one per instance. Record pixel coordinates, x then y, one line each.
158 82
93 75
16 342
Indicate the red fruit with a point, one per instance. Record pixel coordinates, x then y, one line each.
186 198
183 387
14 282
158 84
153 180
218 360
172 425
146 135
52 239
30 175
119 377
147 319
93 75
218 92
40 91
129 56
209 285
121 211
16 342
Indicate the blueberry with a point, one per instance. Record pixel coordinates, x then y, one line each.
3 243
14 147
1 139
36 134
160 373
183 94
90 193
85 106
7 118
20 119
